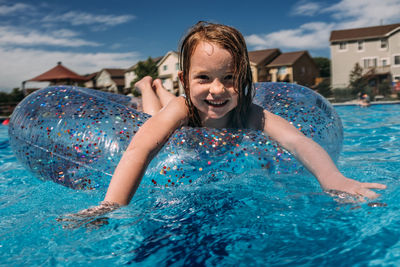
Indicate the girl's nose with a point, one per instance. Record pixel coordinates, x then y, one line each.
217 87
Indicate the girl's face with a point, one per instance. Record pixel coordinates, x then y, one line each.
211 84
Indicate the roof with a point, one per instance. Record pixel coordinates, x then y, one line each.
363 33
119 81
57 73
166 56
91 76
259 56
115 72
287 59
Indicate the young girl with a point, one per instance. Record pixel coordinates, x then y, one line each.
216 76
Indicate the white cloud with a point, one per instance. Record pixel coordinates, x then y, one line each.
342 15
81 18
308 36
362 13
23 49
306 8
23 64
6 10
27 37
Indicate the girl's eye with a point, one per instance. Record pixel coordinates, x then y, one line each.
202 78
228 77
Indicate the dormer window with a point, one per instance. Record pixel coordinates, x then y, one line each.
360 45
384 43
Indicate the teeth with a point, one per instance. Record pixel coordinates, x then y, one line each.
216 102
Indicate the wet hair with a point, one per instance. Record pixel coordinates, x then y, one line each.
232 40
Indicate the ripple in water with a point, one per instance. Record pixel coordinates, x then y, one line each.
246 219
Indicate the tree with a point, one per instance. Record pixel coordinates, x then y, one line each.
145 68
358 82
324 88
13 97
324 66
384 88
16 95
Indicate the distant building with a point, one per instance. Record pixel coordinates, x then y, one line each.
130 74
293 67
91 80
168 68
259 60
111 80
59 75
376 49
266 65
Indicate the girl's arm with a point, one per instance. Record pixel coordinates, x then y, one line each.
143 147
315 158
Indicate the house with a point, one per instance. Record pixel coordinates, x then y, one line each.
91 80
259 60
111 80
294 67
376 49
168 68
130 74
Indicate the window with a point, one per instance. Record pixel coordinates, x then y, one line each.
177 66
165 67
384 43
396 78
384 62
370 62
396 60
282 70
360 45
342 46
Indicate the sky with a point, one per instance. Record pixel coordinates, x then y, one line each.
87 35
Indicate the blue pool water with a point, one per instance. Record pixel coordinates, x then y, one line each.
244 220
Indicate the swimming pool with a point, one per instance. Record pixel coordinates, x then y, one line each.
242 220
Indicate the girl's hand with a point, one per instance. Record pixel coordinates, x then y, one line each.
338 184
89 217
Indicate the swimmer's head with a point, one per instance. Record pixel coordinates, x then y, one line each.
232 40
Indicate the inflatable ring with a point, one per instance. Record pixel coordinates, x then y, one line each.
76 137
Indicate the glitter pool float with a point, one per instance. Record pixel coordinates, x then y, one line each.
76 136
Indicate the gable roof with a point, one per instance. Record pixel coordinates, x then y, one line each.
91 76
114 73
58 73
364 33
119 81
166 56
263 56
287 59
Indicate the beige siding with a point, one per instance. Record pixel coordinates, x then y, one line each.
168 70
104 81
129 77
394 48
343 61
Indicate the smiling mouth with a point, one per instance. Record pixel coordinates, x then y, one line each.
216 103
